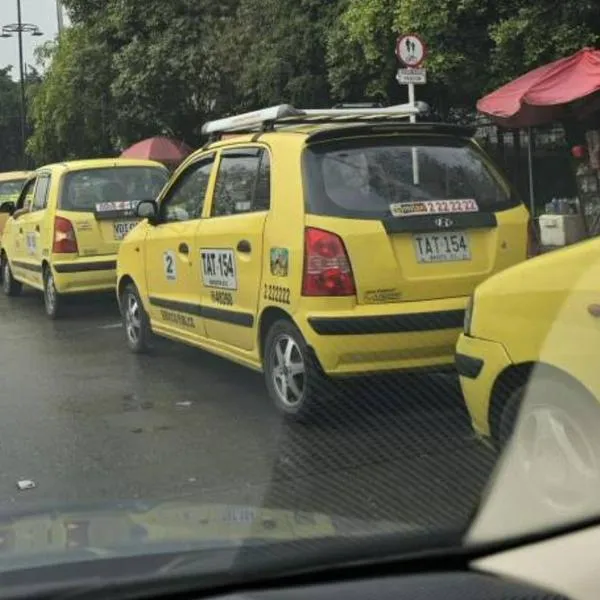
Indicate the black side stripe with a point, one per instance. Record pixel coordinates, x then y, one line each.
406 323
78 267
27 266
208 312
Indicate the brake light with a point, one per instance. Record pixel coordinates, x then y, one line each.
533 243
64 237
327 270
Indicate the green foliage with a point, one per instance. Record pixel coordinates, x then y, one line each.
10 123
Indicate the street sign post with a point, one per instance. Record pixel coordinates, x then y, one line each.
411 52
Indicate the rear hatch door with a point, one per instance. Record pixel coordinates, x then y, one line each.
101 203
422 216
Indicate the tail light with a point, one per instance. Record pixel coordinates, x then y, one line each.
327 270
64 237
533 241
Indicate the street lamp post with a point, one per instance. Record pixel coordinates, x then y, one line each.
7 31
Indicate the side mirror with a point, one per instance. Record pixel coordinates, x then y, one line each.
147 209
8 207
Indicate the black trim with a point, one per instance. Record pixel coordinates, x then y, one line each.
77 267
467 366
427 223
208 312
332 133
27 266
431 321
183 307
228 316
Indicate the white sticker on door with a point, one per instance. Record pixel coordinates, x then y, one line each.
31 242
170 265
218 268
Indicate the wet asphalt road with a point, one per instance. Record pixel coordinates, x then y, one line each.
89 423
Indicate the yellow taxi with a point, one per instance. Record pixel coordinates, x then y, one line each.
528 356
67 223
320 243
10 186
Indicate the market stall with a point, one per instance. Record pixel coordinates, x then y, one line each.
566 90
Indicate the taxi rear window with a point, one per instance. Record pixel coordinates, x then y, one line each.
83 190
366 179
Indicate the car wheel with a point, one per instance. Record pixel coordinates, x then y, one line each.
549 435
294 380
10 286
53 301
135 320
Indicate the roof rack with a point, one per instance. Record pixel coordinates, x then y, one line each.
286 115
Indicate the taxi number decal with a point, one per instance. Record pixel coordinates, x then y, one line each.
276 293
31 242
218 268
169 265
222 298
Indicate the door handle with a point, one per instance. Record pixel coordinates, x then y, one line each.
183 248
244 246
37 228
594 310
20 230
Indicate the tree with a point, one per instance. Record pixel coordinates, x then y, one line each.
72 110
10 122
474 45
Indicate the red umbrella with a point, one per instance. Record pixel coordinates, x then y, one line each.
159 148
541 95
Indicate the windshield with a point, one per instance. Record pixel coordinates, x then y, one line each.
373 178
83 189
295 283
10 188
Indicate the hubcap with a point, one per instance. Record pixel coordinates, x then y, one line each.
557 456
288 371
133 321
50 293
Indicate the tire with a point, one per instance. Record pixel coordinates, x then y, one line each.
53 301
135 320
549 435
10 286
295 382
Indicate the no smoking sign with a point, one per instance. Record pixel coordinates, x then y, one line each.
411 50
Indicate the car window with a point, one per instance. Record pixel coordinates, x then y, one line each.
10 188
365 179
185 199
40 195
243 182
26 197
84 189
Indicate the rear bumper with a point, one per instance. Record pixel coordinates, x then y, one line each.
376 338
86 274
479 363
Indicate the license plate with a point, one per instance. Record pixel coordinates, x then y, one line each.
122 229
441 247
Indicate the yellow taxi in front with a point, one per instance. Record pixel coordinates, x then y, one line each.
69 219
10 185
319 251
530 349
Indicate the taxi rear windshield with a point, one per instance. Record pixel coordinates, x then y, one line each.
369 179
11 187
83 190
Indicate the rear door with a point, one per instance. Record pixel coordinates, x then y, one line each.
101 202
422 217
13 235
230 243
32 226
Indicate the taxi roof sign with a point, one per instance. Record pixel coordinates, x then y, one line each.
285 114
